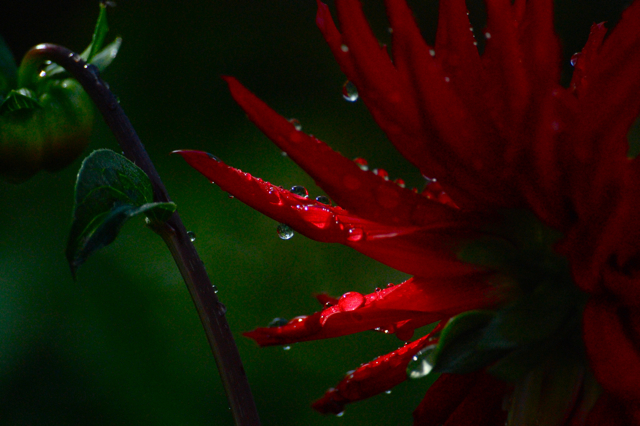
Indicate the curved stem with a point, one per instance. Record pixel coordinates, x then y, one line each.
173 232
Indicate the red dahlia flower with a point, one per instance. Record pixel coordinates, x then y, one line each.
525 251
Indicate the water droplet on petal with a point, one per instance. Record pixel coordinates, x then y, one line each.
284 232
422 363
574 58
300 191
351 301
278 322
340 414
487 35
349 91
400 183
296 123
323 199
382 173
388 391
213 157
191 235
362 163
390 30
215 289
231 196
447 79
286 348
355 234
344 48
432 52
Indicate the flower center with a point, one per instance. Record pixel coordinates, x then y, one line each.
533 338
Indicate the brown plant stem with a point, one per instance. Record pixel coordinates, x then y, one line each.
173 232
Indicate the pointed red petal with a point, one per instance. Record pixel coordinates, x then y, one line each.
362 193
585 61
611 411
442 398
470 399
424 300
613 354
426 251
372 378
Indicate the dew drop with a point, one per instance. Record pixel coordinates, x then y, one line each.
191 235
349 91
215 289
344 48
390 30
351 301
487 35
382 173
296 123
231 196
574 58
400 183
388 391
300 191
222 309
278 322
422 363
284 154
213 157
286 348
323 199
432 52
447 79
340 414
284 232
362 163
355 234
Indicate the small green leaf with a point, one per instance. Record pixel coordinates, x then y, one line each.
94 53
8 69
99 33
19 99
460 348
109 190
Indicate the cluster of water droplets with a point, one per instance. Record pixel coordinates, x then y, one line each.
285 232
364 166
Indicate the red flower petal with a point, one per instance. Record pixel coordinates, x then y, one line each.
362 193
418 299
469 399
372 378
611 411
612 348
426 251
585 61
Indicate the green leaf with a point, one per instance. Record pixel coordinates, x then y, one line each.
99 33
19 99
109 190
8 69
94 53
460 348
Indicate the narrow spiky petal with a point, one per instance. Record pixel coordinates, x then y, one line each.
615 358
362 193
372 378
419 299
404 248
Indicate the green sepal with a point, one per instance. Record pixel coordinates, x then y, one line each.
463 347
109 190
8 69
19 99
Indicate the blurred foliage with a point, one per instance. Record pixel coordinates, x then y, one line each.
123 344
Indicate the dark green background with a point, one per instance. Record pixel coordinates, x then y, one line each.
123 344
